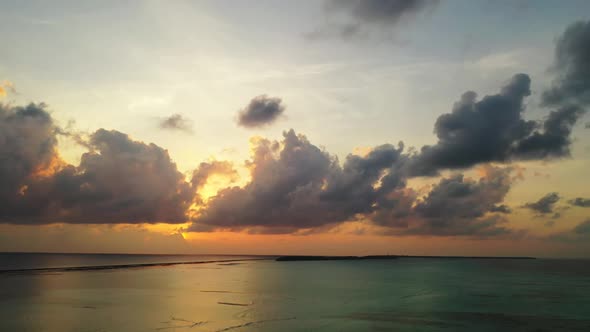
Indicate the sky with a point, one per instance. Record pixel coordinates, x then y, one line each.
348 127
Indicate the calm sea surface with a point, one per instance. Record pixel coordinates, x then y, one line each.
407 294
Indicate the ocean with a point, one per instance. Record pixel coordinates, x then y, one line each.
236 293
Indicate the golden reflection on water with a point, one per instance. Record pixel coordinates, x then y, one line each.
400 294
133 299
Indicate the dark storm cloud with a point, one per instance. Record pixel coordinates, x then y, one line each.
580 201
176 122
572 66
261 111
118 181
545 204
350 18
493 130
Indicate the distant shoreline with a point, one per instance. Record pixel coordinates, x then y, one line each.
385 257
235 259
120 266
121 254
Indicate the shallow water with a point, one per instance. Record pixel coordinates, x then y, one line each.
18 261
398 295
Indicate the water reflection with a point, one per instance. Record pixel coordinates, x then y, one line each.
404 295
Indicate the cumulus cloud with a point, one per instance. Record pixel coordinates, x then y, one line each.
493 130
580 202
122 181
545 204
296 185
27 147
462 206
206 169
572 66
478 131
261 111
287 178
118 181
351 18
176 122
554 141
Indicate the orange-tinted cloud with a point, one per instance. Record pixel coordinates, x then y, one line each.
5 87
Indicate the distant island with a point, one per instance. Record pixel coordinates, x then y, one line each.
377 257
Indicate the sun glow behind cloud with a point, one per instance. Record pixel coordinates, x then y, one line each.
193 67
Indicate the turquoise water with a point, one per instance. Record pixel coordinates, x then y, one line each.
391 295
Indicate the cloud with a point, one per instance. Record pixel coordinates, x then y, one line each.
478 131
296 185
6 86
352 18
262 111
118 181
176 122
501 209
461 206
583 228
554 141
206 169
579 201
122 181
287 178
545 204
493 130
579 233
572 66
380 11
27 146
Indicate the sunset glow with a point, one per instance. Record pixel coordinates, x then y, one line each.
334 128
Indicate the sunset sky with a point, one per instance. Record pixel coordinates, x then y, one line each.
296 127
